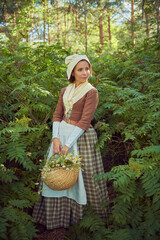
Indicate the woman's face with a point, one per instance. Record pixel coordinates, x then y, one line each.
81 72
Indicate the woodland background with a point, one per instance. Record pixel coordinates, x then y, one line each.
122 40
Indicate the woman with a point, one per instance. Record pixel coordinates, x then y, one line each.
76 106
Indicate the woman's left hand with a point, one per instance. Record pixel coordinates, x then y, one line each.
64 149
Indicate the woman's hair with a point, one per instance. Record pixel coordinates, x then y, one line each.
72 78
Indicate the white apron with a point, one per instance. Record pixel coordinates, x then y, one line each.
77 192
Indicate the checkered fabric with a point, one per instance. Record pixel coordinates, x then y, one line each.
63 212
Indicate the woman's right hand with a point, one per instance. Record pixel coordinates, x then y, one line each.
57 145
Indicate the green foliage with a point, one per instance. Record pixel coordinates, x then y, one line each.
91 227
127 123
128 120
30 84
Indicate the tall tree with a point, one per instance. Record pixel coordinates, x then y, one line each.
85 24
157 6
58 31
44 21
100 10
48 23
109 29
101 31
9 7
132 23
76 10
65 27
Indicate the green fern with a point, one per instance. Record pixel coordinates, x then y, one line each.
91 227
22 231
92 224
126 234
3 227
147 151
7 175
20 203
127 123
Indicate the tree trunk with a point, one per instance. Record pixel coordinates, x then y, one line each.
77 12
65 28
109 29
76 20
32 27
44 22
101 32
132 23
157 5
145 12
48 22
38 29
14 20
85 24
147 24
58 32
86 42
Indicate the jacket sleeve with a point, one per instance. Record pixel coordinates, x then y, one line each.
89 109
59 111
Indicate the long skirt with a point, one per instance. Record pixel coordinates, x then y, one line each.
63 211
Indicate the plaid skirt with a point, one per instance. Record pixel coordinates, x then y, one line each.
64 212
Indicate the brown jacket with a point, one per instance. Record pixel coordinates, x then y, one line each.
82 111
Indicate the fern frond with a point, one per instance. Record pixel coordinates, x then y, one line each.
135 216
21 86
37 90
151 183
126 234
102 139
22 231
41 107
23 192
7 175
17 191
3 228
20 203
16 150
120 211
92 223
147 151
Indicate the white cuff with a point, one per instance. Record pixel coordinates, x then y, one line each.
55 129
77 132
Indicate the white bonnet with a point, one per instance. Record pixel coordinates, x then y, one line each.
71 62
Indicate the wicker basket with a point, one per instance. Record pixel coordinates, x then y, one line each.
60 179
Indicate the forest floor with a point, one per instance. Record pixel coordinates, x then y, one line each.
60 233
56 234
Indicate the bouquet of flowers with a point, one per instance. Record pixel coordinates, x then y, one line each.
61 171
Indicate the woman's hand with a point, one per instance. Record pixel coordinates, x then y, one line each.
64 150
57 146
